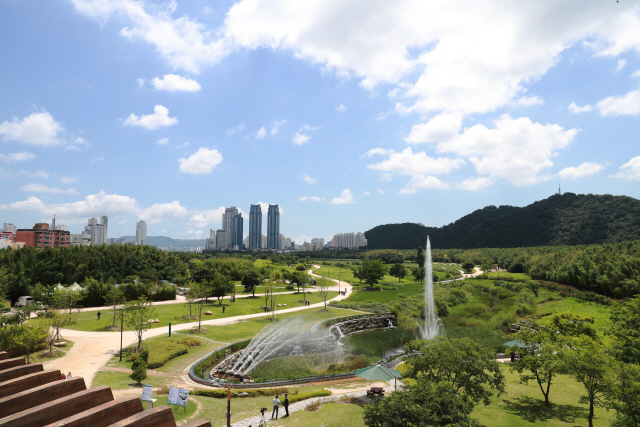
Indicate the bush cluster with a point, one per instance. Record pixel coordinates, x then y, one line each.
252 392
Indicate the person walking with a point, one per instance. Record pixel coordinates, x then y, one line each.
286 404
276 404
99 314
223 307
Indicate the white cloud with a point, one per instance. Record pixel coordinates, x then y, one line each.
381 151
345 197
585 169
341 108
162 211
209 218
93 205
80 141
308 179
419 182
529 101
366 193
77 144
276 127
311 198
307 127
621 65
409 163
517 150
40 188
380 191
262 132
628 104
36 129
68 179
475 183
182 145
440 128
201 162
175 83
162 141
140 82
97 159
630 170
17 157
576 109
299 138
159 118
237 129
635 74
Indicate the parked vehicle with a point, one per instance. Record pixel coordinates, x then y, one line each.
25 301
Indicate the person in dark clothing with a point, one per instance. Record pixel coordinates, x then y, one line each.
99 315
223 307
513 356
286 404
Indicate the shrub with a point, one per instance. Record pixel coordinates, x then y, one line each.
190 342
457 297
304 396
255 392
139 367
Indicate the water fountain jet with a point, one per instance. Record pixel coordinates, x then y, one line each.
433 326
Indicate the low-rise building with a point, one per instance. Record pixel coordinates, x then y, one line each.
41 236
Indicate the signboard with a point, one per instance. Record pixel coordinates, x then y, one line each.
146 392
178 396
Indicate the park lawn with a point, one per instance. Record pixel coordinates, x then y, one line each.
333 414
173 313
601 313
179 413
507 274
406 287
38 357
523 405
121 381
259 290
247 329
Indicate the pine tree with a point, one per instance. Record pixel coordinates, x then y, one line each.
139 367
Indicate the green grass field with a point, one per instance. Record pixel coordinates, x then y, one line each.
175 313
407 288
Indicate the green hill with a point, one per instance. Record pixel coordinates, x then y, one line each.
567 219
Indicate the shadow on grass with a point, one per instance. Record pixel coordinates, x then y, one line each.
534 410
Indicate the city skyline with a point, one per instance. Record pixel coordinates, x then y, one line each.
132 109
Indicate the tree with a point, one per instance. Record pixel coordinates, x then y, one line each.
28 336
422 404
625 328
324 285
540 358
66 299
420 257
114 299
251 280
398 270
372 271
299 278
4 285
199 293
137 314
470 369
591 364
54 321
220 287
270 297
573 325
418 273
139 367
468 265
357 273
191 297
486 265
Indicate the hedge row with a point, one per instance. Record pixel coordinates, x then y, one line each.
303 396
374 307
222 393
158 363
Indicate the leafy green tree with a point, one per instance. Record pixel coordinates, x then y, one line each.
625 396
399 271
199 293
137 314
418 273
324 285
422 404
299 278
29 336
468 265
573 325
625 328
591 364
251 280
357 273
526 302
540 359
139 367
471 370
66 299
114 299
420 257
373 271
486 265
4 284
220 287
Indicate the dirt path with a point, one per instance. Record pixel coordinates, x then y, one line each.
92 350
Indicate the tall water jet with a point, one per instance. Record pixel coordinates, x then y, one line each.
432 324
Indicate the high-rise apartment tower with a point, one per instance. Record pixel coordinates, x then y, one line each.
255 227
141 233
273 227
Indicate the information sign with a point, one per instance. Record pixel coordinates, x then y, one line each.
178 396
146 392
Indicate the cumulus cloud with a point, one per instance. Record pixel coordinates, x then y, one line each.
162 141
628 104
17 157
207 218
308 179
262 132
276 127
407 162
162 211
585 169
299 138
576 109
440 128
201 162
36 129
159 118
341 108
630 170
345 198
381 151
621 64
419 182
477 183
175 83
529 101
237 129
40 188
313 199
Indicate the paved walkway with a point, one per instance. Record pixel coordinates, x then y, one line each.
92 350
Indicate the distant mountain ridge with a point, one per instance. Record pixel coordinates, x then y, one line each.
167 241
567 219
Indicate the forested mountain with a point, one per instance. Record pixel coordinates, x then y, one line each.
567 219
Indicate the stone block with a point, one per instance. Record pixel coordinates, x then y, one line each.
61 344
208 313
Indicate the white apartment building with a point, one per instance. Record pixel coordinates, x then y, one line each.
83 239
141 233
10 227
348 241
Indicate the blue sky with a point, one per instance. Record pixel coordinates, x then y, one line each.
347 114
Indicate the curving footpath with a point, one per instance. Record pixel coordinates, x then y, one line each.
92 350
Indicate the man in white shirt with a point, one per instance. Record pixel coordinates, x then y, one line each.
276 404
